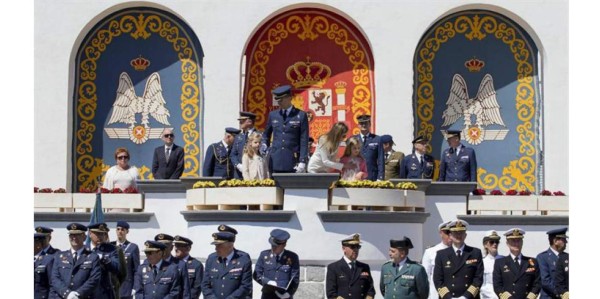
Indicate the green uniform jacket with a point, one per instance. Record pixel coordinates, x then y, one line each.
410 282
392 165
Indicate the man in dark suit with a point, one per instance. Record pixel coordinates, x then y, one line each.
288 126
515 275
349 278
418 165
217 160
76 271
458 162
547 261
401 277
167 162
277 269
458 271
42 267
195 268
156 277
228 274
246 120
371 149
132 258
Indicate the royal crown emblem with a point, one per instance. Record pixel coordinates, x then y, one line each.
221 228
140 63
516 232
73 226
161 236
307 74
474 65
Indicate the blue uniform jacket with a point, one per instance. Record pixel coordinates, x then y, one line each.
282 272
238 151
132 260
372 151
166 284
411 167
216 161
461 168
233 280
516 281
109 265
411 282
289 145
454 277
82 277
42 274
547 261
562 274
195 272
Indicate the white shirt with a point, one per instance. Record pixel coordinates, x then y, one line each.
429 264
322 161
487 288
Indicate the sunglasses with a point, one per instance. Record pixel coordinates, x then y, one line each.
168 135
354 246
494 242
122 157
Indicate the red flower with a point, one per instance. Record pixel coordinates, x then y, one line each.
559 193
60 190
83 189
524 192
45 190
479 192
511 192
546 193
496 192
104 190
35 189
116 190
130 189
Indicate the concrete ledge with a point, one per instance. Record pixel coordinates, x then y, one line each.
451 188
515 219
161 186
85 217
305 180
250 216
373 216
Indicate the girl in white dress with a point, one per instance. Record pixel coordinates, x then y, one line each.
254 166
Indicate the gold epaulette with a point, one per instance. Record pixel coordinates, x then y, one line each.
443 291
564 295
473 290
369 297
505 295
339 297
531 295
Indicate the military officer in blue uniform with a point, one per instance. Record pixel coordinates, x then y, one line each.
131 252
371 149
42 267
109 260
288 128
401 277
515 275
547 261
458 162
419 164
349 278
246 120
227 273
227 228
76 271
217 160
48 232
562 276
458 271
195 267
278 269
157 278
184 287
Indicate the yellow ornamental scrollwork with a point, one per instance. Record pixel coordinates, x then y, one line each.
141 26
519 174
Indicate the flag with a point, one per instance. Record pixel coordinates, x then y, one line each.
97 215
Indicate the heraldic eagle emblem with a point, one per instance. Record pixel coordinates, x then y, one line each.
128 104
484 107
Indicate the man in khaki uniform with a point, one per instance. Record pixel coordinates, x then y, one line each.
392 158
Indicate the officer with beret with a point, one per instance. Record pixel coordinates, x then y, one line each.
48 249
195 267
401 277
430 254
246 120
349 278
217 160
515 275
42 267
458 269
109 261
371 149
228 274
458 162
277 269
419 164
392 158
288 128
491 239
131 253
562 276
157 278
76 271
184 287
547 261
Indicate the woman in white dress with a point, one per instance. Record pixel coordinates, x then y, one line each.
490 248
325 159
122 175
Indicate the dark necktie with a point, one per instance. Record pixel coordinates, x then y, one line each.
155 270
168 153
74 257
458 253
517 261
387 155
421 160
223 260
284 114
353 266
364 140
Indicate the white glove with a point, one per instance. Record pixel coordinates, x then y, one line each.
283 296
263 149
240 167
73 295
272 283
301 167
132 293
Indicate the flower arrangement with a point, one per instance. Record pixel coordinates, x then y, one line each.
247 183
479 192
36 189
116 190
407 186
104 190
511 192
131 189
201 184
366 184
546 193
45 190
559 193
83 189
496 192
60 190
524 192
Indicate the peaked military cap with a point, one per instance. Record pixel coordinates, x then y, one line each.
404 243
444 226
387 139
452 133
558 233
514 233
39 236
363 118
154 246
282 91
227 228
222 237
76 228
458 225
232 131
247 115
491 235
123 224
420 138
353 239
183 240
164 238
43 230
99 227
278 237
